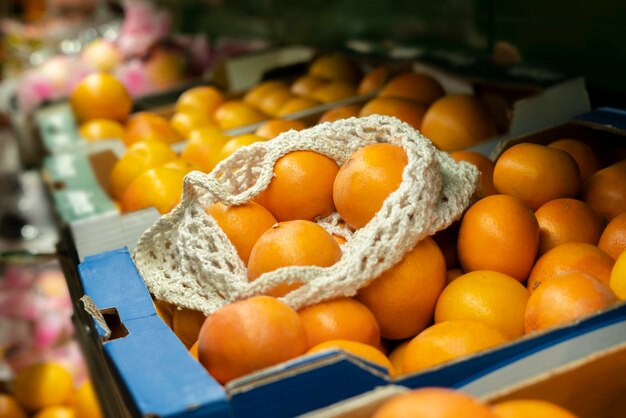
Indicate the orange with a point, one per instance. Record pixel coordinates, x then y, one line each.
449 340
186 122
484 165
302 187
200 99
334 91
254 96
236 113
203 147
613 238
57 412
292 243
181 165
245 336
100 96
457 121
86 403
10 408
564 299
334 67
499 233
145 126
42 385
365 180
193 350
186 325
235 143
372 81
405 110
96 129
585 157
403 297
342 112
160 187
243 224
605 191
275 100
535 408
421 88
617 280
452 275
340 319
571 257
536 174
567 220
486 296
357 349
433 402
296 104
305 85
164 311
273 127
396 357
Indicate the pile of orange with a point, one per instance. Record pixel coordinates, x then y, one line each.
46 390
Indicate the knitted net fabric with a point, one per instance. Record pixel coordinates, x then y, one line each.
187 260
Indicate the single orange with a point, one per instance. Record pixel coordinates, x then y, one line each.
358 349
193 350
273 101
96 129
274 127
536 174
186 122
200 99
296 104
100 96
571 257
56 412
186 325
235 143
181 164
372 81
403 298
203 147
613 238
236 113
242 224
567 220
585 157
340 319
334 91
433 402
334 67
605 191
255 95
86 403
535 408
342 112
457 121
245 336
566 298
396 357
421 88
449 340
486 296
146 126
484 165
10 408
292 243
302 187
366 179
405 110
42 385
499 233
159 187
617 281
305 85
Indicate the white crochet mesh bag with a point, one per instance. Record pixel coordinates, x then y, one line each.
187 260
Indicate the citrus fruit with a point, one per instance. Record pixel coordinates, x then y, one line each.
366 179
203 147
585 157
96 129
396 357
236 113
292 243
245 336
301 188
42 385
255 95
86 403
617 280
457 121
296 104
484 165
499 233
433 402
186 324
568 258
200 99
182 165
536 174
563 299
334 67
56 412
342 112
613 238
334 91
100 96
186 122
274 101
452 275
160 187
358 349
372 81
605 191
339 319
164 312
101 54
305 85
421 88
242 224
193 350
406 110
403 297
567 220
235 143
10 408
273 127
535 408
486 296
146 126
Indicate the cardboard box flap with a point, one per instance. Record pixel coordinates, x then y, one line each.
607 118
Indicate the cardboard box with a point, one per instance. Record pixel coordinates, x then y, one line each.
178 386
